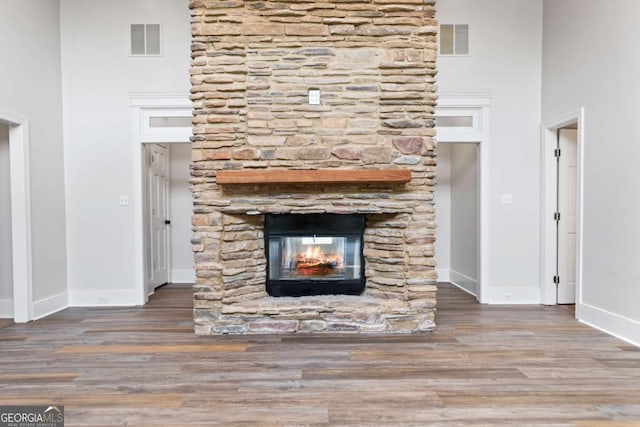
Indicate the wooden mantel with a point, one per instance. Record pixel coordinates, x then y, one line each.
314 176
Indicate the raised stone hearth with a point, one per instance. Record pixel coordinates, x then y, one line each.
253 63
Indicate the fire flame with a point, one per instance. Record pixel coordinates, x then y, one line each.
313 262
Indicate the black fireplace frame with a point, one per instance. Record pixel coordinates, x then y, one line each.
321 225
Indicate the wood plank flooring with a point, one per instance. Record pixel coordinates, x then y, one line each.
483 366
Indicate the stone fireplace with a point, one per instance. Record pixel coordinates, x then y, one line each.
264 148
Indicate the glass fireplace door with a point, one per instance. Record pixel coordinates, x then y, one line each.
314 254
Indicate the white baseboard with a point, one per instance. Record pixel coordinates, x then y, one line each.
511 295
50 305
101 298
464 282
619 326
6 308
443 275
186 275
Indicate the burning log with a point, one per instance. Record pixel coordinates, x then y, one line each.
313 262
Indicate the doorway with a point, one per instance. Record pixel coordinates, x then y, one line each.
465 119
6 257
165 119
167 213
562 176
18 212
457 200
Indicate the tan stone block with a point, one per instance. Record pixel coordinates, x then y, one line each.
286 153
373 155
271 140
363 123
342 30
300 140
262 29
245 154
334 122
216 154
215 30
200 219
314 153
347 153
282 123
306 30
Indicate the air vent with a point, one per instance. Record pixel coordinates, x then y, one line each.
454 39
145 39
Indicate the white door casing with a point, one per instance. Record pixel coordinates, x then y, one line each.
20 217
145 106
477 106
158 211
567 196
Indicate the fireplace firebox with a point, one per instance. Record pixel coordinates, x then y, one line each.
314 254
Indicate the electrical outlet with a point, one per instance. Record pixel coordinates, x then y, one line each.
507 297
314 96
123 200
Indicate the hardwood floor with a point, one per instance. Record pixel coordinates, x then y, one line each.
484 366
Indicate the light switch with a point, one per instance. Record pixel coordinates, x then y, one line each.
314 96
506 198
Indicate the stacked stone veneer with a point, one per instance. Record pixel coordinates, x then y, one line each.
253 63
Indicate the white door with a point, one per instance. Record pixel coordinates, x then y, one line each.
158 202
567 187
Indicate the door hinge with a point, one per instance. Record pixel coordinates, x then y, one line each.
556 216
557 152
556 279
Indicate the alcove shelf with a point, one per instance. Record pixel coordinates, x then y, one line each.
314 176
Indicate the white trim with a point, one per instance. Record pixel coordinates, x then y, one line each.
6 308
513 295
182 275
159 99
104 298
464 290
481 103
20 217
164 134
50 305
142 107
619 326
464 282
548 294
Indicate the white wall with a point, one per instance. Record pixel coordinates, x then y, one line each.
442 198
590 60
31 89
464 216
98 74
6 268
182 268
505 61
